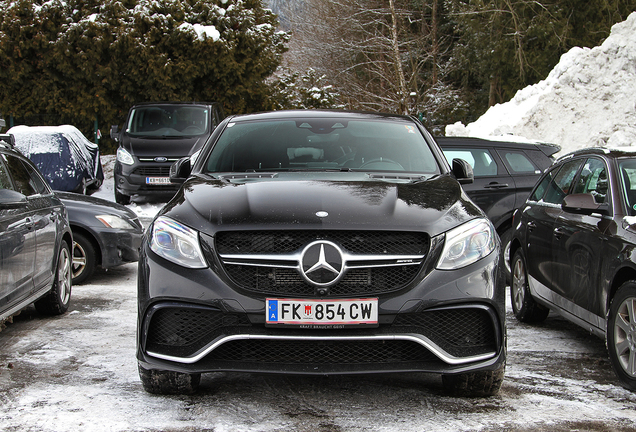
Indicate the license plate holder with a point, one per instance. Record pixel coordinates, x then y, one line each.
158 180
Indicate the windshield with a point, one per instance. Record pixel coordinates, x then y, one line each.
168 121
322 144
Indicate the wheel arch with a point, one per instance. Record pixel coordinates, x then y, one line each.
622 275
92 238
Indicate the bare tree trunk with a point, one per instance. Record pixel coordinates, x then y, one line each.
397 61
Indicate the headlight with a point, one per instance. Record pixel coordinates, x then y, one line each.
124 157
116 222
177 243
467 244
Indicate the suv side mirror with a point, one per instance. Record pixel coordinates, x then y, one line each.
180 170
583 203
10 199
114 132
463 171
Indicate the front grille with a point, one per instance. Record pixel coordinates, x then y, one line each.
272 275
356 242
338 352
152 171
459 331
288 282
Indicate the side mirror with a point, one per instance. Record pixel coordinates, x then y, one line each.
10 199
583 203
180 170
114 132
463 171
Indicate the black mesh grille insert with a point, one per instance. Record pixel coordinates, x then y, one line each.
183 331
461 332
159 171
277 281
322 352
357 242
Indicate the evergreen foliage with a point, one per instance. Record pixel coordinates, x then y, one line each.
77 60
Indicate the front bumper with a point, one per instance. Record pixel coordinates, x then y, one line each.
131 179
119 247
445 322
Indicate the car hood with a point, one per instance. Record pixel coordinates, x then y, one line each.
77 203
170 147
293 202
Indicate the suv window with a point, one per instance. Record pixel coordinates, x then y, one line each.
5 181
560 185
27 182
518 163
480 159
593 179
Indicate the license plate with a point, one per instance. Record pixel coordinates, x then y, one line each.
157 180
318 313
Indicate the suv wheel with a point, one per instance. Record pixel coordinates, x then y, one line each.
168 382
525 308
56 301
83 258
621 334
122 199
475 384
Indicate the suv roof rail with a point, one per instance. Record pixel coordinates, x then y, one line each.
7 140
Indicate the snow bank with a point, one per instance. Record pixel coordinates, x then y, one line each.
588 100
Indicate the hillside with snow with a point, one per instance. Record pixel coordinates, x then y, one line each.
588 100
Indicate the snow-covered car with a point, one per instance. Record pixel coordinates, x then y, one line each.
67 160
105 234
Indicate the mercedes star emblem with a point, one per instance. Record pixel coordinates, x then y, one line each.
322 263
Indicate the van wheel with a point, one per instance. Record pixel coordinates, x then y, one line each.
120 198
168 382
621 334
56 301
525 308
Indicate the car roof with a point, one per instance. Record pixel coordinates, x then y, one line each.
318 114
547 148
601 151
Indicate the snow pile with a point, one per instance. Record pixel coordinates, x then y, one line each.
588 100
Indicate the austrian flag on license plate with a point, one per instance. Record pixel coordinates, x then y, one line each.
322 312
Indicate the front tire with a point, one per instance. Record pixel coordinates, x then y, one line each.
475 384
525 308
56 301
168 382
621 334
84 258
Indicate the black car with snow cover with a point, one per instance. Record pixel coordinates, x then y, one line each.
321 242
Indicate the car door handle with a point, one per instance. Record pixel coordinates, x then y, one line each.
496 185
28 223
558 232
531 226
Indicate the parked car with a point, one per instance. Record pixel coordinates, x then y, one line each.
573 250
154 136
321 242
105 234
505 173
66 159
35 239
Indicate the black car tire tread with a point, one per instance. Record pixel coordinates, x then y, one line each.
53 303
89 253
122 199
530 310
475 384
625 292
168 382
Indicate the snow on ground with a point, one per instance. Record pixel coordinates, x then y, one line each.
588 100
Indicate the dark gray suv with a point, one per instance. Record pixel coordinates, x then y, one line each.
35 239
